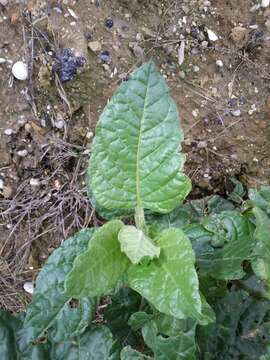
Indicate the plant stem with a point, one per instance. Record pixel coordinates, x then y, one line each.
139 219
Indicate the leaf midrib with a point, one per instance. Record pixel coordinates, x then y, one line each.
138 190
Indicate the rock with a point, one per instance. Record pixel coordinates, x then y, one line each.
2 60
211 35
4 2
8 132
236 113
60 124
7 192
196 68
219 63
1 184
265 3
181 53
34 182
22 153
95 46
20 70
28 287
202 144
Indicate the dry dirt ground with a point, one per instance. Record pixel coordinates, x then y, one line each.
221 84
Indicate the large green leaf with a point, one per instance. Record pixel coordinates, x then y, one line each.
117 314
221 243
261 252
177 347
97 271
73 319
135 158
261 198
96 343
170 283
50 303
13 344
241 330
136 245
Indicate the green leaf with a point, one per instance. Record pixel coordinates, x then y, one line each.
128 353
49 305
221 243
135 158
261 252
241 330
96 343
237 192
170 283
136 245
261 198
13 344
177 347
73 319
117 315
190 212
97 271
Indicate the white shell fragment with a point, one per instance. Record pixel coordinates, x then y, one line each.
265 3
19 70
211 35
28 287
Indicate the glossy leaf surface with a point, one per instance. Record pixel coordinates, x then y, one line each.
97 271
50 302
136 245
135 158
170 283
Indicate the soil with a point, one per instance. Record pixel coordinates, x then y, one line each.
221 87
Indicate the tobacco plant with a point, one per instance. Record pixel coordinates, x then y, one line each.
160 279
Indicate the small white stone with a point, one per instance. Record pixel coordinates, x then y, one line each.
236 113
265 3
1 184
59 124
34 182
2 60
20 70
219 63
72 13
8 132
211 35
89 134
22 153
195 113
196 68
28 287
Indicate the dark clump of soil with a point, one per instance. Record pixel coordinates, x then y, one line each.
215 57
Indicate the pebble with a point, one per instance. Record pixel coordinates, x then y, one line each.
22 153
105 56
202 144
59 124
195 113
94 46
1 184
34 182
20 70
211 35
236 113
196 68
219 63
28 287
204 44
265 3
8 132
2 60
